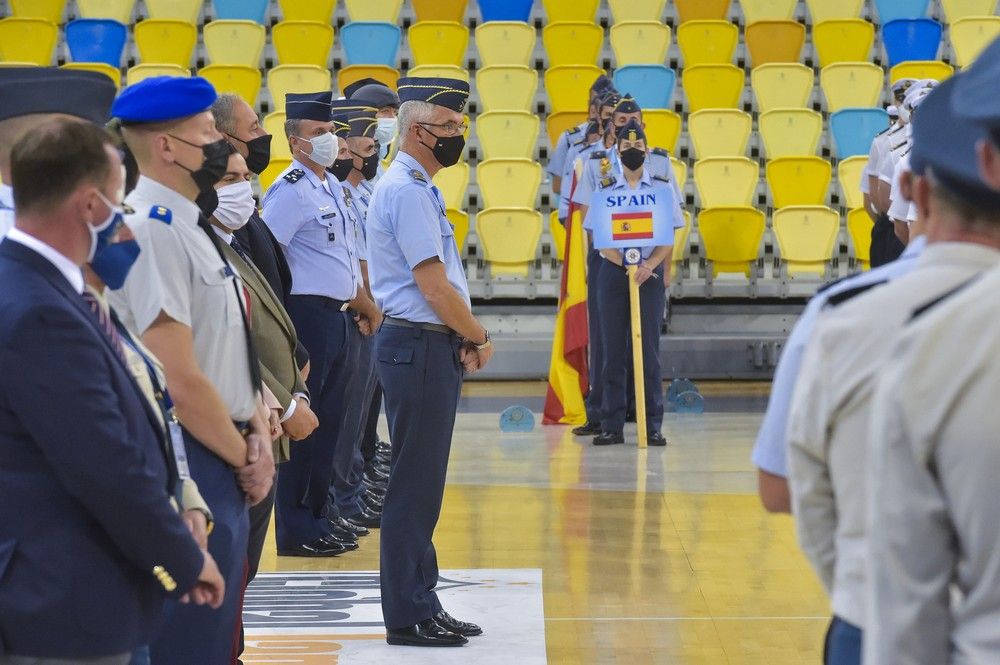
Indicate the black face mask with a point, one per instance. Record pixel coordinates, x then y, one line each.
207 201
340 169
369 165
213 166
632 158
448 149
259 150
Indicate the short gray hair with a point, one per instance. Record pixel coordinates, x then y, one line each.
224 110
292 127
411 113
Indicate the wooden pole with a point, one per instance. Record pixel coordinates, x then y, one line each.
637 371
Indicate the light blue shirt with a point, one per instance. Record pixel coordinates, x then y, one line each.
645 182
770 450
407 225
578 151
359 200
312 222
557 162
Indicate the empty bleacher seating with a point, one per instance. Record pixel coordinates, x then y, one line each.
570 10
779 86
509 238
166 41
506 88
955 10
726 181
28 40
307 10
767 10
702 10
505 43
639 42
790 132
890 10
637 10
234 42
854 129
851 84
825 10
371 43
731 237
843 40
572 43
507 134
707 42
96 40
911 39
175 10
719 132
849 177
247 10
438 43
652 86
806 236
716 86
303 42
502 10
374 10
970 35
50 10
119 10
774 41
859 229
508 183
798 181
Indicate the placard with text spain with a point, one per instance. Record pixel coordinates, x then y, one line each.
633 218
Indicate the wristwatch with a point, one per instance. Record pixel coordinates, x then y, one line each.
485 345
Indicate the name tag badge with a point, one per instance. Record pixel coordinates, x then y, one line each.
227 271
180 452
329 215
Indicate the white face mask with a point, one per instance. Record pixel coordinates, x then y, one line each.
100 235
236 204
324 149
386 131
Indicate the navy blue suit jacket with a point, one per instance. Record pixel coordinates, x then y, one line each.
84 514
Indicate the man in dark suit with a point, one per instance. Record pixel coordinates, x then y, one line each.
90 546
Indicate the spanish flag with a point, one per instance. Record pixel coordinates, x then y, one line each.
568 379
632 226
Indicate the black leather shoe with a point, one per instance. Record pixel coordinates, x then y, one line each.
656 439
334 541
378 489
340 533
367 519
587 429
358 531
427 633
373 501
376 473
609 438
463 628
319 548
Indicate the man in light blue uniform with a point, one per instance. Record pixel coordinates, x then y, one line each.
428 337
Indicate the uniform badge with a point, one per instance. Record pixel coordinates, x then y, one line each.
161 213
608 182
294 175
605 166
418 176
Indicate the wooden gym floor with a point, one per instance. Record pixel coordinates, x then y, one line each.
656 556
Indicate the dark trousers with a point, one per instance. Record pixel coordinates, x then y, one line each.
843 644
595 365
613 300
886 245
302 502
421 377
197 633
348 467
370 439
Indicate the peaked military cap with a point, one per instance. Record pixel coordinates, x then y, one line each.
976 96
627 104
631 131
83 94
363 123
449 93
308 105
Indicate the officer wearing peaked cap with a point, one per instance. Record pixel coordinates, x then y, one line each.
428 338
386 104
558 163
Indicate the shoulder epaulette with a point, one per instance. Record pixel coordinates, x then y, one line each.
830 285
845 295
598 154
661 177
161 213
573 130
294 175
660 151
941 298
418 176
887 129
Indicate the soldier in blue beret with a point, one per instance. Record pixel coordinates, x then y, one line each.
429 337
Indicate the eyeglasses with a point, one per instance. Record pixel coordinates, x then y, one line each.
451 128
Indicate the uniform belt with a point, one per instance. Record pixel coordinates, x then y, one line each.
323 301
433 327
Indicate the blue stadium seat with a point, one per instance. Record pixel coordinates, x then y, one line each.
890 10
96 40
241 10
854 129
505 10
911 39
370 43
651 85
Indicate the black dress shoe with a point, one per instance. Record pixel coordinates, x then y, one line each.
463 628
358 531
376 473
340 533
427 633
319 548
587 429
348 545
378 489
609 438
656 439
373 501
367 519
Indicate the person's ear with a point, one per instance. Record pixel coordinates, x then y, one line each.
906 185
920 189
989 163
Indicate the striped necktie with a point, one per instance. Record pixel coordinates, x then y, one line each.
107 325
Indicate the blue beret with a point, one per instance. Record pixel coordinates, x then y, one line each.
162 98
449 93
631 131
976 96
83 94
308 105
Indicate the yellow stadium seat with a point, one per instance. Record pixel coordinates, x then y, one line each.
680 171
640 42
806 237
50 10
825 10
719 132
713 86
558 233
849 176
438 43
307 10
507 134
440 10
166 41
28 40
921 69
782 86
955 10
148 70
774 41
112 73
175 10
731 237
702 10
443 71
240 79
119 10
509 239
354 73
798 181
637 10
374 10
558 122
707 42
454 185
790 132
681 237
508 182
303 42
726 181
572 43
969 36
505 43
460 227
851 85
570 10
506 88
234 42
274 124
568 86
859 228
295 78
767 10
843 40
663 128
273 170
